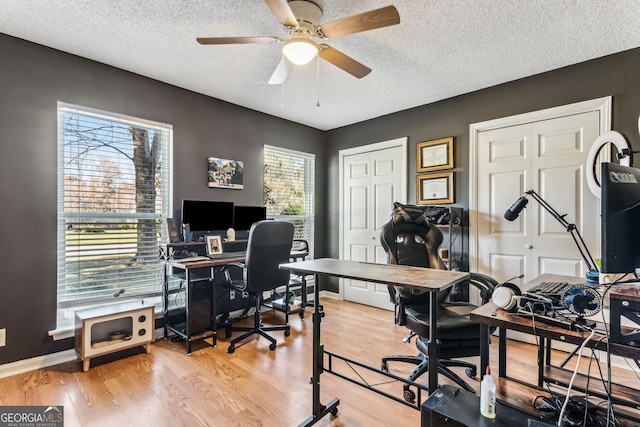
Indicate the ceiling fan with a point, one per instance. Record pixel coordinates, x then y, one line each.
301 19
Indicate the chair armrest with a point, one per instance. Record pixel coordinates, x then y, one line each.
484 283
226 270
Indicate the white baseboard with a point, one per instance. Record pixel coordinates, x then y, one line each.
329 294
39 362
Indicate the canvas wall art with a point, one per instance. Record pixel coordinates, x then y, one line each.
224 173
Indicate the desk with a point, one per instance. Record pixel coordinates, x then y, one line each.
490 316
192 331
429 279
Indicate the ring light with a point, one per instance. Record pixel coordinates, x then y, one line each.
619 142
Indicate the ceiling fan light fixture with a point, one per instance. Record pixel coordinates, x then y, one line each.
300 51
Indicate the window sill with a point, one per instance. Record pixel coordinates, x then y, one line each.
62 333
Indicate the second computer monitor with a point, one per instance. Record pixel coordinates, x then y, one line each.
620 209
245 216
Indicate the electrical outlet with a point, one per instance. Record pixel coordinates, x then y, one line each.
3 337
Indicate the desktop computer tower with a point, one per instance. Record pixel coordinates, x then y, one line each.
200 319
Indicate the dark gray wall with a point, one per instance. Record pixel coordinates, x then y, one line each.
33 79
615 75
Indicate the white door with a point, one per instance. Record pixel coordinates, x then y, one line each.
373 178
547 156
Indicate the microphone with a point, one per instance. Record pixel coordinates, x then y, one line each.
515 209
519 276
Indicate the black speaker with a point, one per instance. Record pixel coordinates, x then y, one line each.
172 229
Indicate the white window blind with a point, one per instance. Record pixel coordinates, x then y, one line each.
113 199
289 190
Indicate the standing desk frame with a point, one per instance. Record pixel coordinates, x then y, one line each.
432 280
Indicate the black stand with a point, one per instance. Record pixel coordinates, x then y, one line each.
571 229
433 346
319 410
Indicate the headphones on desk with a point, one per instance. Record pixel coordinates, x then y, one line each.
507 295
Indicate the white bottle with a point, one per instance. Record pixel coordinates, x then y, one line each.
488 395
231 235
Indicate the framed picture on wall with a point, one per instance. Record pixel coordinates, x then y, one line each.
434 155
436 188
223 173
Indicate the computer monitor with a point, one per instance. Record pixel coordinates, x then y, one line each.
620 209
245 216
205 215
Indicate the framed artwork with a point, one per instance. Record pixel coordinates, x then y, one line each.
224 173
434 155
214 244
435 188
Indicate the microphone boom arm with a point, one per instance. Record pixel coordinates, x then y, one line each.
571 229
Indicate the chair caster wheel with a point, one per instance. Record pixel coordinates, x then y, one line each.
334 412
227 334
471 372
272 346
231 348
287 332
301 314
384 367
409 395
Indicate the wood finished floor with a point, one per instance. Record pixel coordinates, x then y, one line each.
251 387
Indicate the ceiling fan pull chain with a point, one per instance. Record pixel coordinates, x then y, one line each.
318 79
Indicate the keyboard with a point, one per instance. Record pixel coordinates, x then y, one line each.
550 289
191 259
224 255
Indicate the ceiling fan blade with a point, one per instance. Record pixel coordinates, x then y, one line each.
283 12
366 21
280 74
238 40
346 63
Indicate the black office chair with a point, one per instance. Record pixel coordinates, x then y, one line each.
269 246
410 239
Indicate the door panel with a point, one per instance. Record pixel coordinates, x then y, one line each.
546 156
371 184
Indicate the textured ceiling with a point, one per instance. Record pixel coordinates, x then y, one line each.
440 49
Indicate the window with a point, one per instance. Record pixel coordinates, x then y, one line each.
289 181
114 182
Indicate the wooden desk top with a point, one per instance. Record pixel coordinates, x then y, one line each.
222 261
389 274
490 314
205 263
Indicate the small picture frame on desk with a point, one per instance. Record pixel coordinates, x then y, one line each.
213 244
